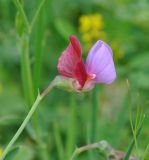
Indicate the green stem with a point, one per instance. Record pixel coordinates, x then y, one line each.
22 13
26 70
59 142
36 15
131 146
71 137
23 125
80 150
38 53
26 120
27 78
93 127
94 112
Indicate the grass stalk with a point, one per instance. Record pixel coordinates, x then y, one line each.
22 13
71 137
93 121
36 15
38 52
59 143
94 112
26 70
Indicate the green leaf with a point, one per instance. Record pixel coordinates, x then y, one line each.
11 154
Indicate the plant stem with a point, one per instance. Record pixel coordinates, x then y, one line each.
93 127
26 70
59 142
22 13
36 15
38 53
94 112
71 137
23 125
83 149
26 120
131 146
105 150
27 78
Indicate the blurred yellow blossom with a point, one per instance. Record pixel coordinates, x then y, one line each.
89 22
1 152
91 29
97 21
86 37
84 23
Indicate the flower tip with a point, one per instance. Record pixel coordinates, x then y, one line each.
74 40
72 37
75 44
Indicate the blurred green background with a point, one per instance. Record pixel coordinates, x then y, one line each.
63 119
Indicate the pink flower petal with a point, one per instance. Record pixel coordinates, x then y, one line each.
70 64
100 62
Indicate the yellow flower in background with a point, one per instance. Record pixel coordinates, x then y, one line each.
98 35
89 22
86 37
91 29
1 152
97 21
85 23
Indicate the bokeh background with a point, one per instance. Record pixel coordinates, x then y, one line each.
64 118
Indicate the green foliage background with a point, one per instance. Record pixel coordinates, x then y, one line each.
64 118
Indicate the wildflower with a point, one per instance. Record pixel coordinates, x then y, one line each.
99 66
91 29
85 23
89 22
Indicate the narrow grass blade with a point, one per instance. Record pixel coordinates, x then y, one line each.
59 142
131 146
38 52
11 154
93 129
71 137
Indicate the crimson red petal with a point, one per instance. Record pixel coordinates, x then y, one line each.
70 63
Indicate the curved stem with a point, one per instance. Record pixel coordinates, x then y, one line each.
26 120
83 149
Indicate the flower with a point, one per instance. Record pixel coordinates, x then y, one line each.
91 29
99 66
89 22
